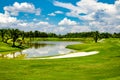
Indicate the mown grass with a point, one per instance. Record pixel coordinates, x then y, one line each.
102 66
7 48
60 39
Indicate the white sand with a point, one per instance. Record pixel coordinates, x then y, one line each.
77 54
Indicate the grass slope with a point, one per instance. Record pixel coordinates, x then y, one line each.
6 48
102 66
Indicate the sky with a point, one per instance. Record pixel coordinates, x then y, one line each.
61 16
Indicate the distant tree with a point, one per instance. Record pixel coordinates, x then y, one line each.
15 35
43 34
22 33
36 34
116 35
2 32
7 35
96 36
30 35
52 35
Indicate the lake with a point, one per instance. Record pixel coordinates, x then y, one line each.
45 48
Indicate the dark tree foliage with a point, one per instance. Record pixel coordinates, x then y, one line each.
116 35
2 33
7 35
36 34
52 35
31 35
96 36
78 35
22 34
15 35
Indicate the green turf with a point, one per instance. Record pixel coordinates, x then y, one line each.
102 66
7 48
59 39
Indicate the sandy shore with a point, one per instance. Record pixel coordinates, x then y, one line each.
77 54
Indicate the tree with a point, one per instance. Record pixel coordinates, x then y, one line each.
14 35
52 35
36 34
30 35
96 36
2 32
22 35
7 35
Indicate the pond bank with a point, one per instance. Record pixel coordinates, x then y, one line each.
77 54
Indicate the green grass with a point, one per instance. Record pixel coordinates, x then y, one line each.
60 39
102 66
6 48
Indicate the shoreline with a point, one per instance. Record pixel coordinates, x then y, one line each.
71 55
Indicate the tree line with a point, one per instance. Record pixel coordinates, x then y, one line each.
15 34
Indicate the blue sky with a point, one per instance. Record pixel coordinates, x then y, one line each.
61 16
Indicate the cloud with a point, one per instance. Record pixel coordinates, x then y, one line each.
67 22
93 15
16 8
55 13
42 23
7 19
47 18
64 5
80 29
65 26
52 14
88 7
97 15
58 12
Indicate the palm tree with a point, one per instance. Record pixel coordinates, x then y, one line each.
14 35
7 35
2 32
22 33
30 35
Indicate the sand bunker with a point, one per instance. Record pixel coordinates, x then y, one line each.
77 54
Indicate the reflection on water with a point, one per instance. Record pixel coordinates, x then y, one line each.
37 45
43 48
13 55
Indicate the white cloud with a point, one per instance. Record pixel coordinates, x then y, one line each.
52 14
21 7
42 23
64 5
65 25
97 16
80 29
23 24
105 16
55 13
67 22
47 18
34 19
58 12
86 7
118 27
7 19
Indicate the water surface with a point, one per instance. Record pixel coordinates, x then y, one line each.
45 48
